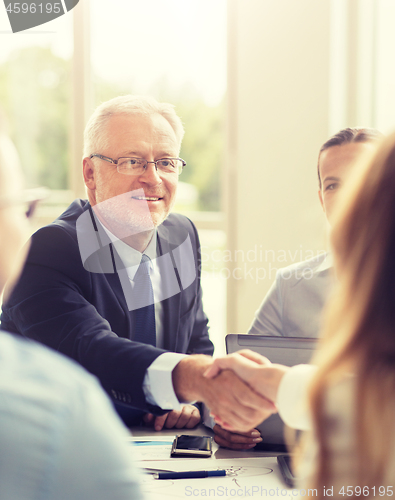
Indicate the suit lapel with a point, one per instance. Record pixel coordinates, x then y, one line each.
121 291
119 283
117 280
171 306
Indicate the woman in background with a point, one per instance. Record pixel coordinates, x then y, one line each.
293 306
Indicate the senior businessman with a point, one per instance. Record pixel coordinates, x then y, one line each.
114 282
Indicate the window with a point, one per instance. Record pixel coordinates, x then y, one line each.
35 95
173 50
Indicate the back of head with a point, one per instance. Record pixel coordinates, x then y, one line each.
10 171
95 130
348 136
13 226
4 156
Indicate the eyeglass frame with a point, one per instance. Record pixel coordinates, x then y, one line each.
115 162
29 196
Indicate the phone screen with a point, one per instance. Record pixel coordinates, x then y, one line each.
185 442
191 446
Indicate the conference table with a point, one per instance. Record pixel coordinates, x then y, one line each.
250 473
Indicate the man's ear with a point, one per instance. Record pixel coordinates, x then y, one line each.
321 200
88 171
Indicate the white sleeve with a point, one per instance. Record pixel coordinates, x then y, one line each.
292 403
158 384
207 419
268 318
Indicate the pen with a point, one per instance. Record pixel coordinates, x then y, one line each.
148 470
190 474
151 443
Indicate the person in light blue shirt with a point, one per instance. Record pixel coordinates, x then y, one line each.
59 435
60 438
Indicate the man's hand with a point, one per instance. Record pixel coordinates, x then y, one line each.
234 404
236 441
188 417
254 369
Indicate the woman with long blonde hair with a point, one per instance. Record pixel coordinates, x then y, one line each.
357 355
351 394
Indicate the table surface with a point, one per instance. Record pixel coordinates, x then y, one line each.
202 430
251 475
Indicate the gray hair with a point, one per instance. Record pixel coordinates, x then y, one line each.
95 133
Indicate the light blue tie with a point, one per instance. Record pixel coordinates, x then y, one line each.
144 313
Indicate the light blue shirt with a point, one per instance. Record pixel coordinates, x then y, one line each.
294 304
60 438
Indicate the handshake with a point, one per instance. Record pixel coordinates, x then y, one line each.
240 389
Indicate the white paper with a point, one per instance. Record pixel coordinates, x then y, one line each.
246 477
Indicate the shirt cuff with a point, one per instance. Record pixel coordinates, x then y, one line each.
292 397
207 419
158 385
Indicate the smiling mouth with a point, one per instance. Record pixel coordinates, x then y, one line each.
146 198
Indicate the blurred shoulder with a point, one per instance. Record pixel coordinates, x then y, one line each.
29 366
305 270
54 242
66 222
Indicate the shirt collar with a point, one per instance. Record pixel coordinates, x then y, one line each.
326 264
131 257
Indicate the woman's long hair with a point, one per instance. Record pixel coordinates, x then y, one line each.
359 323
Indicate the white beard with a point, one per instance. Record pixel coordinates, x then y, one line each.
124 216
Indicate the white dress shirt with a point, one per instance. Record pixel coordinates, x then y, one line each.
157 384
340 407
292 404
294 303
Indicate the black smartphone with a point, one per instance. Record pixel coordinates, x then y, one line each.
284 462
191 446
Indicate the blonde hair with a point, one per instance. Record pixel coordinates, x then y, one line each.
359 331
95 130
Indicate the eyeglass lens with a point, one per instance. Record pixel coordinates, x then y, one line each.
136 166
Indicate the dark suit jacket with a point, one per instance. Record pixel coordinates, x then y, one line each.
84 314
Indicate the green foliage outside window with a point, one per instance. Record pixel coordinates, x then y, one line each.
35 94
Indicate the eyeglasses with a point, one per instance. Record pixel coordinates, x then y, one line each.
28 200
137 166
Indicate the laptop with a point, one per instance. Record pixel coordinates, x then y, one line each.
287 351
